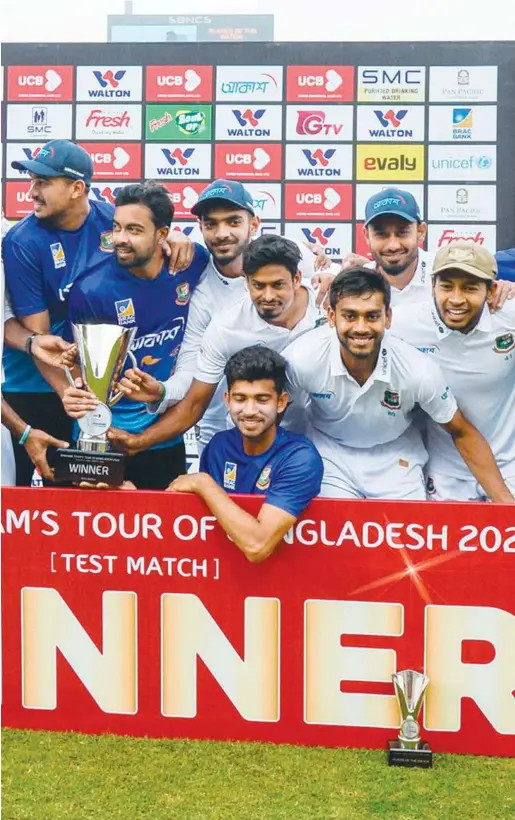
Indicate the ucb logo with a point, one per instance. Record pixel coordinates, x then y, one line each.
310 80
166 79
101 159
308 199
30 79
239 159
23 196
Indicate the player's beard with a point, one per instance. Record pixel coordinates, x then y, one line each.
133 259
233 250
395 269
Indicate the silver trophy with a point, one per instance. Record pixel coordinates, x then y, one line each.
102 353
409 749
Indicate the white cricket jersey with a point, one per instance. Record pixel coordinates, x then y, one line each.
376 412
241 326
419 289
480 369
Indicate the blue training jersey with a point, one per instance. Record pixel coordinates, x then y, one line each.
506 264
289 474
40 264
157 307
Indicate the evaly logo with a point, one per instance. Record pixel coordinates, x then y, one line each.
312 123
248 121
319 236
400 163
319 162
109 83
125 312
390 121
39 122
462 123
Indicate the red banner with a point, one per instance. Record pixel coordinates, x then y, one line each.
135 614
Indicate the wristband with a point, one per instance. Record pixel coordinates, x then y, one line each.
25 434
162 397
29 342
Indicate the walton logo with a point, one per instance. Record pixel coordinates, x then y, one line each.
318 235
319 162
178 163
248 120
33 154
99 119
312 123
109 82
391 121
106 194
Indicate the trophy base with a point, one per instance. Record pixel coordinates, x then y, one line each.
95 468
421 758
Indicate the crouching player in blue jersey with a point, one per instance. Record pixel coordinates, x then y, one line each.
134 289
256 457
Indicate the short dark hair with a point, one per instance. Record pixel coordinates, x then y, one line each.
251 364
357 282
151 194
271 250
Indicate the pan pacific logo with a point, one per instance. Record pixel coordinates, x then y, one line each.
125 312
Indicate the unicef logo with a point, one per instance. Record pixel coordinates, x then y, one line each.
483 162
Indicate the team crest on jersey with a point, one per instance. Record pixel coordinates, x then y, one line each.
230 475
430 486
183 294
125 312
391 400
263 481
504 343
322 321
106 242
58 255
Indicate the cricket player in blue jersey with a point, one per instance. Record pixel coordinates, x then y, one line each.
256 457
43 255
133 288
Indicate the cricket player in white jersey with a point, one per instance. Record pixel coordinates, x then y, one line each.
476 351
394 231
229 224
275 310
360 386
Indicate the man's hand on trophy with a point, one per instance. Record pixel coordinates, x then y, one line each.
141 386
36 446
180 251
78 400
53 350
127 443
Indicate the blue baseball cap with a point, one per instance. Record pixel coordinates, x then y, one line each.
224 190
393 201
59 158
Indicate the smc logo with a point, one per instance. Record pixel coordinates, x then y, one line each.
392 76
39 122
312 123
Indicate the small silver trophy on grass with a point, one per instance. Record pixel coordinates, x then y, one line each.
409 749
102 352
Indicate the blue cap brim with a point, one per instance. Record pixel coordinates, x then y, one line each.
200 205
36 167
392 213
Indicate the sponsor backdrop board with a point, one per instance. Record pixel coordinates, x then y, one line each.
312 141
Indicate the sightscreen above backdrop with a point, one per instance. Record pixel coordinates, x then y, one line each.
311 141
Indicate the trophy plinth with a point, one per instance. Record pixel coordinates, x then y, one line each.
102 351
409 749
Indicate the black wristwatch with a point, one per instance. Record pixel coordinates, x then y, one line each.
29 342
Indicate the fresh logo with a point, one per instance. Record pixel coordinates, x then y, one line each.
391 121
125 312
263 482
319 236
504 343
451 235
312 123
183 294
109 83
230 475
58 255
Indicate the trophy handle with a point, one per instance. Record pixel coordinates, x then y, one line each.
115 397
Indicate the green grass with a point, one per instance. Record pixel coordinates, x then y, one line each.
48 776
